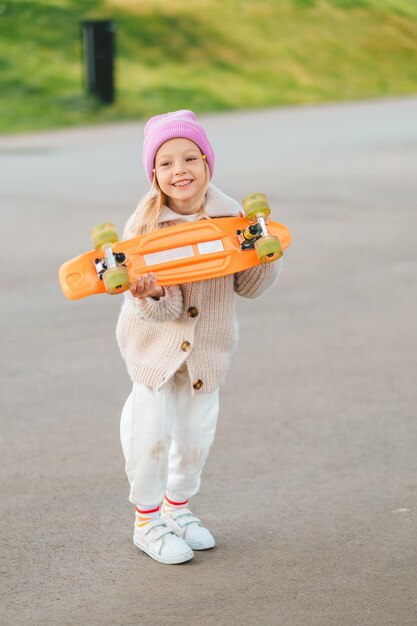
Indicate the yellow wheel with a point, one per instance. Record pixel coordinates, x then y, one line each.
102 234
116 280
255 205
268 249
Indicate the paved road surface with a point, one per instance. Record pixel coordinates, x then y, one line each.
311 487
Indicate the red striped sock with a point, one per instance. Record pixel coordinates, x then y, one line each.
169 505
145 514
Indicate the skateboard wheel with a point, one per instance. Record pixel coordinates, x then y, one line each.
268 249
116 280
102 234
255 205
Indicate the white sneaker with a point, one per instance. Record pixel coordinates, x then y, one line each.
185 525
161 543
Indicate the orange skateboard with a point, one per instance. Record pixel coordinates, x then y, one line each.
178 254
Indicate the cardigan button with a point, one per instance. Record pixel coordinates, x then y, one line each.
185 346
192 311
197 384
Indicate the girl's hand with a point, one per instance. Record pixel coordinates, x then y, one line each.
146 286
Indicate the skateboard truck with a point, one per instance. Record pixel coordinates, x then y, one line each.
110 269
268 247
248 236
116 259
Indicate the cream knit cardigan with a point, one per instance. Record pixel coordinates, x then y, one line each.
193 323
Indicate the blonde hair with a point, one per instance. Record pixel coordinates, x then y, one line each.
145 218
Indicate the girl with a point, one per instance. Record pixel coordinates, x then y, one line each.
177 343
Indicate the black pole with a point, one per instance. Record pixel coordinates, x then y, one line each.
98 39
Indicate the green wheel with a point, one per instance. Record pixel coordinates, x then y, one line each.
268 249
102 234
116 280
255 205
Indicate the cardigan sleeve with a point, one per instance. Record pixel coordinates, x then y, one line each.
168 307
254 281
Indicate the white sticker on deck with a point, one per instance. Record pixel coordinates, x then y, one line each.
210 246
169 255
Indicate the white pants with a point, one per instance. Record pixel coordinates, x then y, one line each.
166 435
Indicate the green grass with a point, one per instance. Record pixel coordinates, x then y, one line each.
202 54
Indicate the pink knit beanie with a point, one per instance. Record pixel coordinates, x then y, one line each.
161 128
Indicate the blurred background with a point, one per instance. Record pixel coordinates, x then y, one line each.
207 55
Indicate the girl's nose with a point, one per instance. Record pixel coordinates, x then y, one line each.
180 168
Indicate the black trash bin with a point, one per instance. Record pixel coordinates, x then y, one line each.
98 39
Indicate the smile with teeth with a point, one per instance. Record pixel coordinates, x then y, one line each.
181 184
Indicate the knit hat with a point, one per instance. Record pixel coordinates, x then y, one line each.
161 128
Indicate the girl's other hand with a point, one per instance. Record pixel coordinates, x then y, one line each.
146 286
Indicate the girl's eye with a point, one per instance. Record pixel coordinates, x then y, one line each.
191 158
164 164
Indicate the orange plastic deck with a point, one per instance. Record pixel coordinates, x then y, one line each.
78 277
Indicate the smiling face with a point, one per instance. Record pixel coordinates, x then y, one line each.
181 174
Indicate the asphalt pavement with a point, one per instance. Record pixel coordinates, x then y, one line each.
311 485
